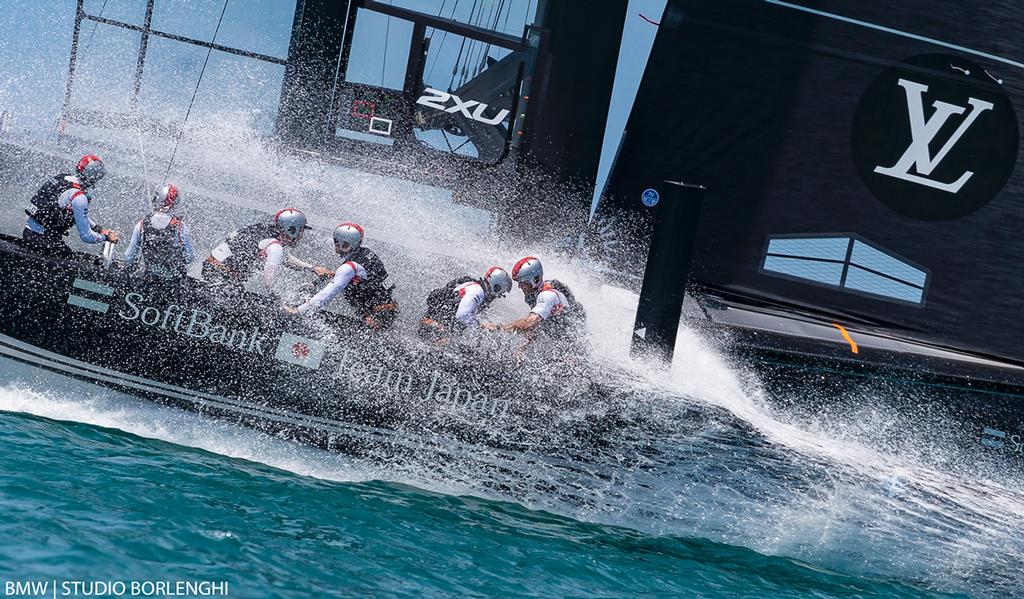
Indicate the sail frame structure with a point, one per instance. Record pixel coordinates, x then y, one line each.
898 127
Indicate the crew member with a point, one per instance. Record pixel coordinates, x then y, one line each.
62 203
456 306
362 279
264 246
553 309
162 240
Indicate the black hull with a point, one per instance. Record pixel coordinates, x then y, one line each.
235 356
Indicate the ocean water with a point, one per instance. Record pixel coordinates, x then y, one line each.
701 498
90 503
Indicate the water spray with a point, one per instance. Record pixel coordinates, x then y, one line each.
195 91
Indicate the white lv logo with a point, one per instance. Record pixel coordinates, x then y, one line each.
922 132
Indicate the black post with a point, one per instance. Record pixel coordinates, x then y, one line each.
79 15
143 45
413 85
321 30
668 270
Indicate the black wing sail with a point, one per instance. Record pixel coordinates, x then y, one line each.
860 160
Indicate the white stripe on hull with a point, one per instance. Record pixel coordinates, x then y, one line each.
14 348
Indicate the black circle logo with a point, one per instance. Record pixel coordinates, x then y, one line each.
935 137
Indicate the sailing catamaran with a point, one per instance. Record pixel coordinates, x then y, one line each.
863 194
857 231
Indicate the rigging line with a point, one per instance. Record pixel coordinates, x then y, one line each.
455 69
508 13
437 53
387 36
95 24
195 91
470 70
487 51
484 49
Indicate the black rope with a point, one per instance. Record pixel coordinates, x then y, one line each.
508 13
478 46
445 136
455 69
437 51
487 50
95 24
387 36
195 91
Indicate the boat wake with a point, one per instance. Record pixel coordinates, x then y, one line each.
695 452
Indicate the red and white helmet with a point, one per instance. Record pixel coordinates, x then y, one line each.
290 223
165 198
91 169
529 270
348 237
497 282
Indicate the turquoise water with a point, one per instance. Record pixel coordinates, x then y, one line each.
82 502
684 499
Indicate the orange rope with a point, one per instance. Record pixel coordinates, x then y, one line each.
853 344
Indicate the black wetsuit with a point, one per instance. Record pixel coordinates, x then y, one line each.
440 320
372 297
245 257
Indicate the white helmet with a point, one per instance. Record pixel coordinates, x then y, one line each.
165 198
91 169
497 282
290 223
348 237
529 270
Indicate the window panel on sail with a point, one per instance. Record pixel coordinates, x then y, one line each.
235 90
33 67
171 72
104 76
867 270
380 49
463 107
261 26
868 257
822 272
869 282
126 11
821 248
370 102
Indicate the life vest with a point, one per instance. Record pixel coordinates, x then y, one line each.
566 323
56 219
443 302
365 295
556 285
162 248
244 247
